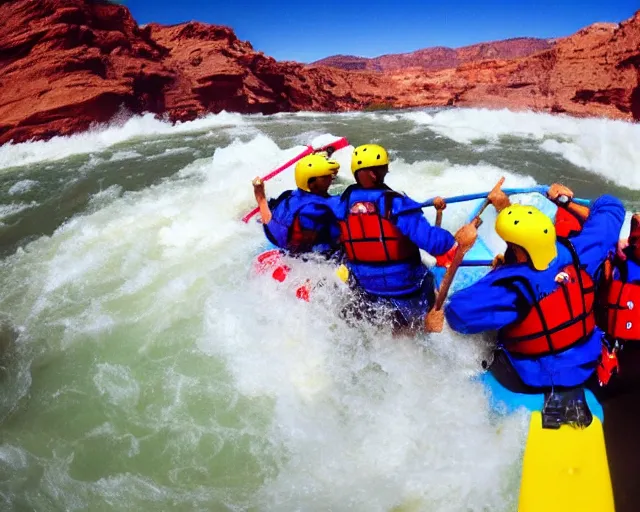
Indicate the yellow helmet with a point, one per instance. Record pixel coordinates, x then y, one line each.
314 166
368 155
532 230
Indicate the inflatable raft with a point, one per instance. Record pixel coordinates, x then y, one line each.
565 463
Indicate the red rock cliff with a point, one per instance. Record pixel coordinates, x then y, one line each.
594 72
65 64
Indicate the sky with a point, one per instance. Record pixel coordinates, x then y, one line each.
308 31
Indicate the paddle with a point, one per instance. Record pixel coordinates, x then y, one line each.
439 205
434 321
540 189
275 172
338 144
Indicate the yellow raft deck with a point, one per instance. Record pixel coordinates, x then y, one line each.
565 470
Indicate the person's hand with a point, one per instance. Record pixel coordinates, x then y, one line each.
623 243
434 321
498 199
497 261
466 236
557 190
439 203
258 188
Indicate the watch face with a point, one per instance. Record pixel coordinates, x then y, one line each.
563 199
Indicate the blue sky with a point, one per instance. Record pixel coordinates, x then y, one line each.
308 31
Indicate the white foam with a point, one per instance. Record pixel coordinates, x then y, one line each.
325 415
302 114
7 210
22 186
124 155
117 383
606 147
170 151
13 458
104 197
104 136
370 422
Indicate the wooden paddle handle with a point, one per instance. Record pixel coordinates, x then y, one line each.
448 278
487 201
459 255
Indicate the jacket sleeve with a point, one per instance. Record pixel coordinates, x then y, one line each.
338 207
484 306
432 239
600 232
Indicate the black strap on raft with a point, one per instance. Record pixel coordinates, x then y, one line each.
566 407
579 268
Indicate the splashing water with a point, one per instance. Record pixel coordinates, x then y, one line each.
144 368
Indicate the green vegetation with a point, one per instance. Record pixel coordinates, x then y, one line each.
372 107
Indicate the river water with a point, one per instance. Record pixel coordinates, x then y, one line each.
142 367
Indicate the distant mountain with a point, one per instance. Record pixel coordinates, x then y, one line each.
439 57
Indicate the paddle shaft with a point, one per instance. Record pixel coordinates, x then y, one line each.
275 172
448 278
541 189
460 252
339 144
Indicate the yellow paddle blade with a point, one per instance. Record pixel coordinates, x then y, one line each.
565 469
343 273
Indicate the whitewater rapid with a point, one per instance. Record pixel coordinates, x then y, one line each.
144 368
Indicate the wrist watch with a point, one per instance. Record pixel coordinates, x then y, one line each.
563 200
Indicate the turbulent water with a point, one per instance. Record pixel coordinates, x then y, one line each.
142 367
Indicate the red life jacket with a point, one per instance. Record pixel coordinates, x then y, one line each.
285 229
369 237
300 239
620 308
558 321
567 224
